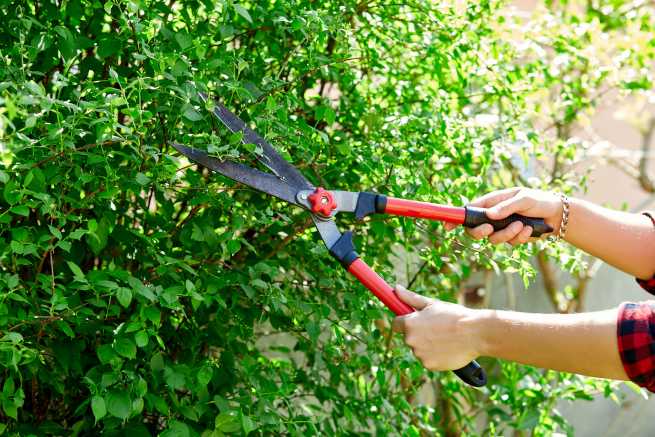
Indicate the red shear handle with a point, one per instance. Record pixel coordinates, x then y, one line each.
471 374
432 211
379 287
468 216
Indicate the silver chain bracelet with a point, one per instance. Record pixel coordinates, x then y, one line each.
565 216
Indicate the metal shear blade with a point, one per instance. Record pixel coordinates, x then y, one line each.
254 178
269 157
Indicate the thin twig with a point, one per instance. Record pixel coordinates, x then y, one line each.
192 213
418 272
52 273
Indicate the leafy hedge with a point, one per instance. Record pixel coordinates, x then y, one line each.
141 296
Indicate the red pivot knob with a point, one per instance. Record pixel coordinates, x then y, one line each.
322 202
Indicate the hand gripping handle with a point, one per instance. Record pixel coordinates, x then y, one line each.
475 216
471 374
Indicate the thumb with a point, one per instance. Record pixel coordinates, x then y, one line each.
412 299
509 207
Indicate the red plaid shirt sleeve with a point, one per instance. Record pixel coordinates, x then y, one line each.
636 339
636 336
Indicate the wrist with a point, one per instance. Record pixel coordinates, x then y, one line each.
481 327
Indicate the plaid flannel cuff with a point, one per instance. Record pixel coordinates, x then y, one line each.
636 335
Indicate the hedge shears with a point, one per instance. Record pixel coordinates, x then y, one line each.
287 183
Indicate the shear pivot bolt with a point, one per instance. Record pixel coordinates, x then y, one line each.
322 202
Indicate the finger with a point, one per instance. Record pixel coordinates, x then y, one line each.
490 199
450 226
398 324
522 236
506 234
412 299
509 207
481 231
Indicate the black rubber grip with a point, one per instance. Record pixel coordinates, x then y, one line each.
472 374
344 249
477 216
369 203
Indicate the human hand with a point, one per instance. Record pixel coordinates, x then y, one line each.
442 335
524 201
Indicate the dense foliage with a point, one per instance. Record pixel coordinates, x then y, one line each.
142 296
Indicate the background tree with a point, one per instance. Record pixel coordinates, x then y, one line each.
142 296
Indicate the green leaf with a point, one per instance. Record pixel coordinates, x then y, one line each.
97 235
119 404
141 289
12 281
11 193
66 42
105 353
528 419
191 114
10 408
247 424
176 429
77 234
64 245
111 285
20 210
142 179
65 328
55 232
174 379
13 337
243 12
153 314
205 375
259 284
141 338
8 387
125 347
184 40
77 272
98 407
233 246
124 296
228 422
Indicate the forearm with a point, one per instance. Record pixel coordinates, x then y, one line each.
578 343
624 240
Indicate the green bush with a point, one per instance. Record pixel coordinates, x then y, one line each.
141 296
